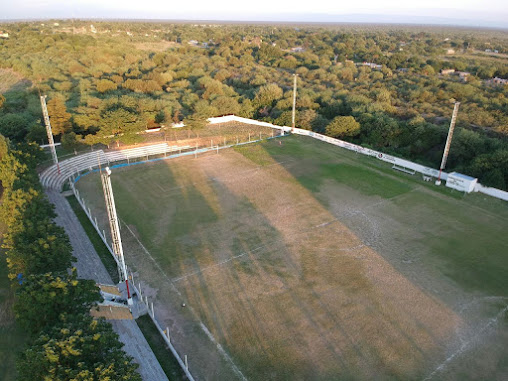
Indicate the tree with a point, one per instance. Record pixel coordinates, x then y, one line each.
2 100
49 299
79 348
160 117
226 105
40 246
267 95
105 85
60 118
342 126
14 126
120 124
195 122
69 140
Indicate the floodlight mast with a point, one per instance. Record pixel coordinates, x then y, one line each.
115 229
49 132
448 141
293 115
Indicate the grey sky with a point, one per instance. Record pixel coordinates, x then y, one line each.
463 12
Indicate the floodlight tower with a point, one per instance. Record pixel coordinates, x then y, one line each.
49 132
448 141
115 229
293 116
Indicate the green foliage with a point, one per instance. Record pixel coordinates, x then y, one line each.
105 85
46 300
267 95
51 301
69 140
119 124
60 118
14 126
77 349
342 126
248 71
195 122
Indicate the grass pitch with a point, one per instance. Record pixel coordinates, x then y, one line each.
306 261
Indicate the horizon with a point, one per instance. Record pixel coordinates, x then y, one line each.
429 24
468 13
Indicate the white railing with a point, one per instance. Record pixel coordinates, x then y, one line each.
165 334
425 171
143 151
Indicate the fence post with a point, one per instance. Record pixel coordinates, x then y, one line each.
186 363
196 151
167 334
249 136
237 140
95 218
153 314
260 135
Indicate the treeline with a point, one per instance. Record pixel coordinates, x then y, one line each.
109 85
52 304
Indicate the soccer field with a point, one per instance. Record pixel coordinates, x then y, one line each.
305 261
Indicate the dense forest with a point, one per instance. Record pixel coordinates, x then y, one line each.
390 88
52 305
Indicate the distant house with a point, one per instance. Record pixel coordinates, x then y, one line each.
297 49
193 42
92 29
4 34
370 64
450 51
447 71
497 81
253 41
463 75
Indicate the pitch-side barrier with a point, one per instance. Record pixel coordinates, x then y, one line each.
397 163
121 156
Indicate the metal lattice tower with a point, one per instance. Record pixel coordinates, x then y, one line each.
49 131
115 229
448 141
293 115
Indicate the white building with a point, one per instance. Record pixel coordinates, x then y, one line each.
461 182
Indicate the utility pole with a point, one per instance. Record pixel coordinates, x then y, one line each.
293 116
115 229
448 141
49 132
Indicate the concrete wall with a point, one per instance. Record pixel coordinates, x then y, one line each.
427 171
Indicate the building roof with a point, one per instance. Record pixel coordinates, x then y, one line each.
460 175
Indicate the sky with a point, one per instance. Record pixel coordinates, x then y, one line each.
459 12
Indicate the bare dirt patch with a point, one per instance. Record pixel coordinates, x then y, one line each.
294 284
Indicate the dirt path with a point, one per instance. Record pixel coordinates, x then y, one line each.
89 266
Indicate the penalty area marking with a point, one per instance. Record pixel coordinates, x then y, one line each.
465 345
